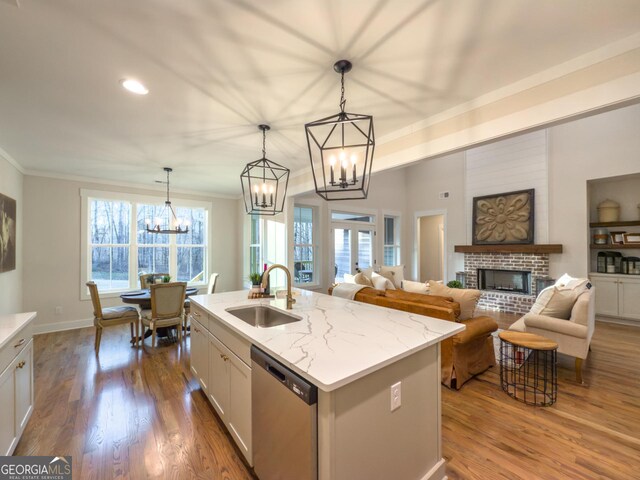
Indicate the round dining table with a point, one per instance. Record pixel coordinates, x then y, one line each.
142 298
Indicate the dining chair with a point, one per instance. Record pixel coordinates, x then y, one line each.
147 279
106 317
167 305
213 279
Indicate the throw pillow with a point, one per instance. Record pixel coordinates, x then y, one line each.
367 272
415 287
362 279
380 282
348 278
397 274
556 302
466 297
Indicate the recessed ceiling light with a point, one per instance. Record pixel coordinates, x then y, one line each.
134 86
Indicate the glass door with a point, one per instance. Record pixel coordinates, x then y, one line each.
353 248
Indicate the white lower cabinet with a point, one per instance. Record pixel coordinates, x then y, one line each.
200 354
227 380
617 295
16 398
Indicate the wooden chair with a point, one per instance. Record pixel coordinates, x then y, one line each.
213 279
106 317
148 279
211 288
167 305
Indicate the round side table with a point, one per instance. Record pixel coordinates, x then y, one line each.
528 367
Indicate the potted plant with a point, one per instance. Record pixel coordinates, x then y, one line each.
256 279
166 278
454 284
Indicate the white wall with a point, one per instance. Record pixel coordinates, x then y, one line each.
431 248
604 145
425 181
11 185
52 248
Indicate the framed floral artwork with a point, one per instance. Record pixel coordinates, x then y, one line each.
507 218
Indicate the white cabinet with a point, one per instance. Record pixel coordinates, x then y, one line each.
199 354
617 295
16 381
220 361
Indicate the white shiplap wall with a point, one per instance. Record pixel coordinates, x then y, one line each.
517 163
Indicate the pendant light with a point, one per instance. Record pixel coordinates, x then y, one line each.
341 150
264 183
173 224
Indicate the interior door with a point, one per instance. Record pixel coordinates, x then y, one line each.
353 249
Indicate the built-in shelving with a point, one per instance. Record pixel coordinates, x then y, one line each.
633 223
615 246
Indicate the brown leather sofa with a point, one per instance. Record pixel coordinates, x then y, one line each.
464 355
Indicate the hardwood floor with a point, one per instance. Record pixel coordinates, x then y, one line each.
138 414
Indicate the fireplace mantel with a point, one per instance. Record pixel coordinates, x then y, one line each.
510 248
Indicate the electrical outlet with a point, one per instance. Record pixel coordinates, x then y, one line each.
396 396
443 195
58 310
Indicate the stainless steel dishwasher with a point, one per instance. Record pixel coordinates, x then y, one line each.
285 421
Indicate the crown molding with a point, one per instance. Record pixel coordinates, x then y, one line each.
140 186
5 156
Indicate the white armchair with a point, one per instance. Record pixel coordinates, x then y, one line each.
573 336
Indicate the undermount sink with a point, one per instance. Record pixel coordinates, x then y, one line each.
263 316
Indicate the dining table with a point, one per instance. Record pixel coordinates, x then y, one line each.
142 298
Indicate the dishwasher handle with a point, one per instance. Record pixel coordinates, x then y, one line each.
304 390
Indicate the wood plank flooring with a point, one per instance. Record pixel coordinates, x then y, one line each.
138 414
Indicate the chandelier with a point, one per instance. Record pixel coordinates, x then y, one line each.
173 223
341 150
264 183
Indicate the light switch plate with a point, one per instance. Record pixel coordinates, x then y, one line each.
396 396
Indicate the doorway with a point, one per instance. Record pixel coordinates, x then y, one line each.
431 250
353 243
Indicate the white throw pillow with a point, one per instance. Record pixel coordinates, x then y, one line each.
380 282
367 272
397 274
348 278
563 280
415 287
556 302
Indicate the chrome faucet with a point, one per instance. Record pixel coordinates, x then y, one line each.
265 279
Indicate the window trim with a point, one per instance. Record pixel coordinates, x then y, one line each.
398 234
315 219
133 198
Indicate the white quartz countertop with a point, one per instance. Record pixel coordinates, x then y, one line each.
12 323
337 341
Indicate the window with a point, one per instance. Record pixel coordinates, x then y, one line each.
267 245
119 248
256 264
303 245
391 241
109 244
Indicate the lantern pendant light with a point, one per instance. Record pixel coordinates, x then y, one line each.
264 183
341 150
174 224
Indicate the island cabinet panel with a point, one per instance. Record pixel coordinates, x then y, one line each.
219 376
199 354
358 433
227 377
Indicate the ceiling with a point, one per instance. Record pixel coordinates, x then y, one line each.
216 69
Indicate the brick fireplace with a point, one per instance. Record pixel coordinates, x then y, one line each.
500 299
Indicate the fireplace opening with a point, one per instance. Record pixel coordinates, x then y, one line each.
514 281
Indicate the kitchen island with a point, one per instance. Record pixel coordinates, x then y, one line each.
354 353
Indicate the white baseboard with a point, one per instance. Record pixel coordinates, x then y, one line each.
62 326
437 472
619 321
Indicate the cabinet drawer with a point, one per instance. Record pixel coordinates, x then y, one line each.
235 343
16 344
199 316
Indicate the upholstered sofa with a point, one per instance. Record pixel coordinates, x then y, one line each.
464 355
